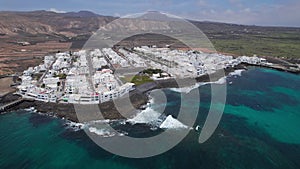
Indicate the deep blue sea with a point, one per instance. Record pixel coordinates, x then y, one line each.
260 128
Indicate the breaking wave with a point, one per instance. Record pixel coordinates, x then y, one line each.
157 120
103 128
147 116
190 88
187 89
172 123
220 81
74 126
237 72
102 132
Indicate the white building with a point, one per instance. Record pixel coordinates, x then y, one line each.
51 82
116 93
48 60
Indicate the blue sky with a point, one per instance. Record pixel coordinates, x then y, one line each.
252 12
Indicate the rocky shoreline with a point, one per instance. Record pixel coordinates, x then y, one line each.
139 97
67 111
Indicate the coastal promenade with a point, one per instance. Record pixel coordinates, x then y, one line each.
280 64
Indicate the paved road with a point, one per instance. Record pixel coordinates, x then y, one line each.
43 76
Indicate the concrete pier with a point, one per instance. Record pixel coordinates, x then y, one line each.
11 104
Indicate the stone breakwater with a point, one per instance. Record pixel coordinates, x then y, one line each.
67 111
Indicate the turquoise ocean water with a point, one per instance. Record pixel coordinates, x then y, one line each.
260 128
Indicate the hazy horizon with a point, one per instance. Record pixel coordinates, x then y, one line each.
261 13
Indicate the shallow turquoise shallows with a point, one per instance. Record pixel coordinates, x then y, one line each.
260 128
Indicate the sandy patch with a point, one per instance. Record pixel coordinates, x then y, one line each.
5 85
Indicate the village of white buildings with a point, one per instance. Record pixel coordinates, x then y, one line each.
90 77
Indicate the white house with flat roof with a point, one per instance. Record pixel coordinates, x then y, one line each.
116 93
51 82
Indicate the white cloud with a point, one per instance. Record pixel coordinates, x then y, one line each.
202 3
287 14
56 11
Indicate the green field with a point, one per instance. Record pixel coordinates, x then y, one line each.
141 79
250 40
278 45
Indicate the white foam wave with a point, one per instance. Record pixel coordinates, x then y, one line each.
220 81
102 128
187 89
32 109
154 118
75 126
100 121
237 72
102 132
147 116
190 88
172 123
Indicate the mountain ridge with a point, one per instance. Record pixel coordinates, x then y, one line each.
85 22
